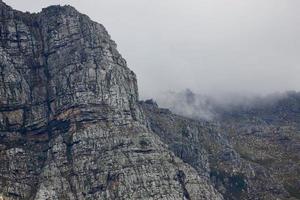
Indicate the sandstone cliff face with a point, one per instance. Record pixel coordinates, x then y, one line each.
70 124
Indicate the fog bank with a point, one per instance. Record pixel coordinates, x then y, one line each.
204 107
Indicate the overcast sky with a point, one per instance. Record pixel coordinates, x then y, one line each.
209 46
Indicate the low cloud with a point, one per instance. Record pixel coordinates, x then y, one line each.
204 107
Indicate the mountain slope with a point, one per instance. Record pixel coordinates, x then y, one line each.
269 135
249 151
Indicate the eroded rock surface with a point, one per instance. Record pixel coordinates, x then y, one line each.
70 124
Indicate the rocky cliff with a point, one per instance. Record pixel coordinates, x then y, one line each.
72 126
70 123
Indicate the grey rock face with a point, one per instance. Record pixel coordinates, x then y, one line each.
70 124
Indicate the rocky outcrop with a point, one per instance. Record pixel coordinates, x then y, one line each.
70 123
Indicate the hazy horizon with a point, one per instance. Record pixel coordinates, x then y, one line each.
210 47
